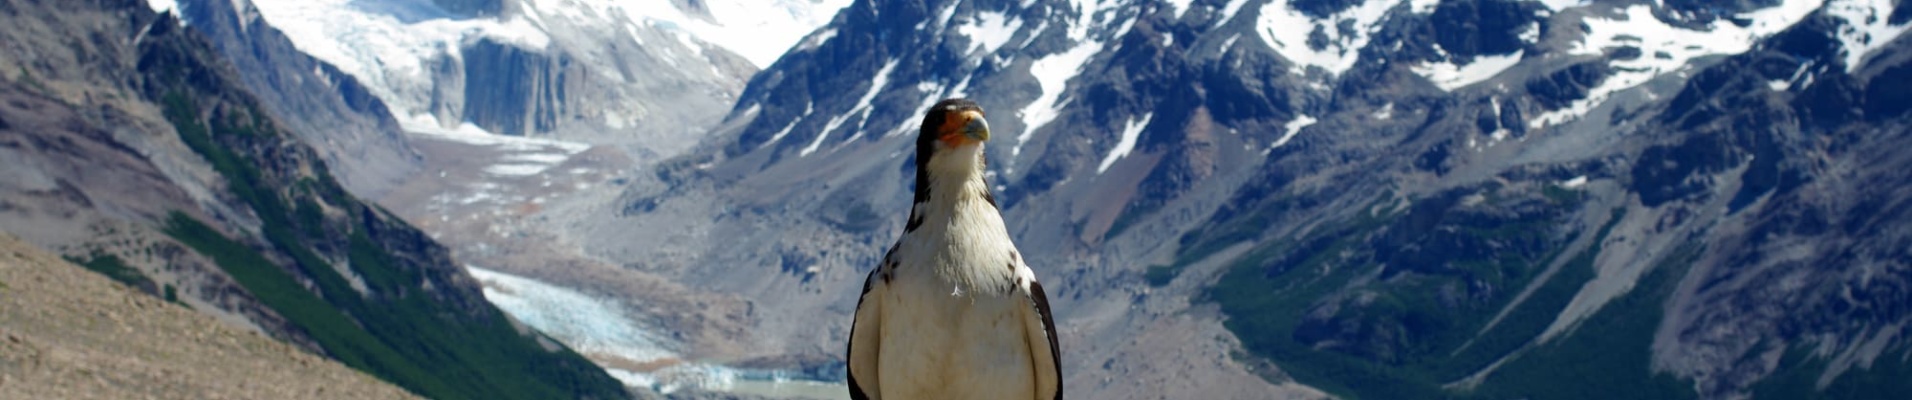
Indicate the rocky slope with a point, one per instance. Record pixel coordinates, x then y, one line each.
66 333
1381 199
132 147
329 109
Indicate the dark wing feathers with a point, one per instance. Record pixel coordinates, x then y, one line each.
1048 327
850 354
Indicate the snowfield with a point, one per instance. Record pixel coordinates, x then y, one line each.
1449 76
391 45
1665 48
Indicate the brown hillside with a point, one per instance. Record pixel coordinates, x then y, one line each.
68 333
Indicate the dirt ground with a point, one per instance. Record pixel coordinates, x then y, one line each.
69 333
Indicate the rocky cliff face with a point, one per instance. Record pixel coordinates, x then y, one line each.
340 117
641 76
134 149
511 90
1383 199
476 8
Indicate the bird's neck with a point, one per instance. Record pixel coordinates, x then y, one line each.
955 185
958 229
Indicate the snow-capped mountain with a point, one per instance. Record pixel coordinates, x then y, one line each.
481 193
652 75
1231 198
1383 199
134 147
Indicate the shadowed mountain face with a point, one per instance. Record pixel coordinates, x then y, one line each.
1468 199
337 115
132 148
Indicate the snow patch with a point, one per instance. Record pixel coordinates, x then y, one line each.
759 30
1052 75
807 109
516 169
1292 128
989 30
1558 5
1866 28
538 158
862 108
1385 113
163 6
1053 71
1423 6
962 88
1230 42
1449 76
818 39
1178 6
943 18
1531 33
1287 30
1665 48
1228 11
1781 85
1129 135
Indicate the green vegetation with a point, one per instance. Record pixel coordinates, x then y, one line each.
1562 195
1130 215
395 330
1158 275
1203 242
1531 317
1396 306
1609 355
113 267
1265 304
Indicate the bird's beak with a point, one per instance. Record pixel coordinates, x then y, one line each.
965 128
977 129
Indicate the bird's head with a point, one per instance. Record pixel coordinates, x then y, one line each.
950 141
951 124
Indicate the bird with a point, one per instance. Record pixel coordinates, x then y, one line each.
953 311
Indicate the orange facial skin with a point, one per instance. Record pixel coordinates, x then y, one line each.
954 131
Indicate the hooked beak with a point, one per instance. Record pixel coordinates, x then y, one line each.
977 129
965 128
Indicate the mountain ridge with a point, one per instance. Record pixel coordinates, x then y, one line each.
1379 199
1463 184
136 148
